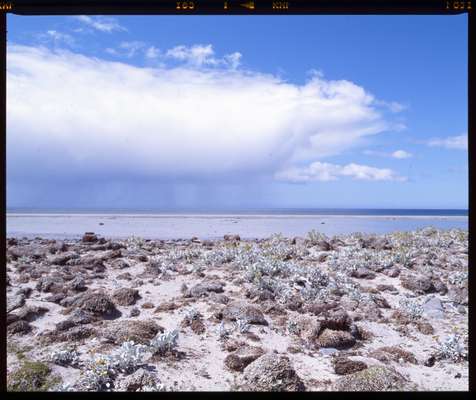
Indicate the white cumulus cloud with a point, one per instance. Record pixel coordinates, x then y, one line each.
72 116
322 171
401 154
459 142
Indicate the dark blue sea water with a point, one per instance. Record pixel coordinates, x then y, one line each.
257 211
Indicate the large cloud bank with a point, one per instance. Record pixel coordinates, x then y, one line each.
71 116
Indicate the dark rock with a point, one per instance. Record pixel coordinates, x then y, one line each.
89 237
78 317
138 381
230 345
373 379
125 276
345 366
147 305
19 327
430 361
232 238
98 303
78 333
119 263
294 303
380 301
459 295
198 326
271 373
31 313
387 288
15 301
219 298
11 318
78 284
56 298
241 358
393 353
136 330
392 272
425 327
363 273
337 320
125 296
323 245
244 311
202 289
49 284
319 308
440 287
166 306
335 339
135 312
63 258
419 284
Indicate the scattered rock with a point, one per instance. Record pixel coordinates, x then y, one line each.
239 359
15 301
244 311
78 284
373 379
232 238
363 273
419 284
425 327
31 313
345 366
63 258
166 306
139 381
135 312
136 330
198 326
433 308
393 353
20 327
89 237
78 317
125 296
271 373
335 339
119 263
98 303
202 289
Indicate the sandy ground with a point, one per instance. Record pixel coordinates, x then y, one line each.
166 271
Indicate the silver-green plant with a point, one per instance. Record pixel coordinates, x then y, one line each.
164 342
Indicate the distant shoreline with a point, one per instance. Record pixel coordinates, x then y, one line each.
236 216
207 226
306 212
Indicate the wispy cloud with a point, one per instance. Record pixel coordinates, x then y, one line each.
322 171
459 142
398 154
202 55
127 49
56 38
193 120
100 23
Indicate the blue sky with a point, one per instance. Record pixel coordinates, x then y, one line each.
295 111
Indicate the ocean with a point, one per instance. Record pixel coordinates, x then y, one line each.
183 224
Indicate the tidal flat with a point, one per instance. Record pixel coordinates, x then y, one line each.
314 312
